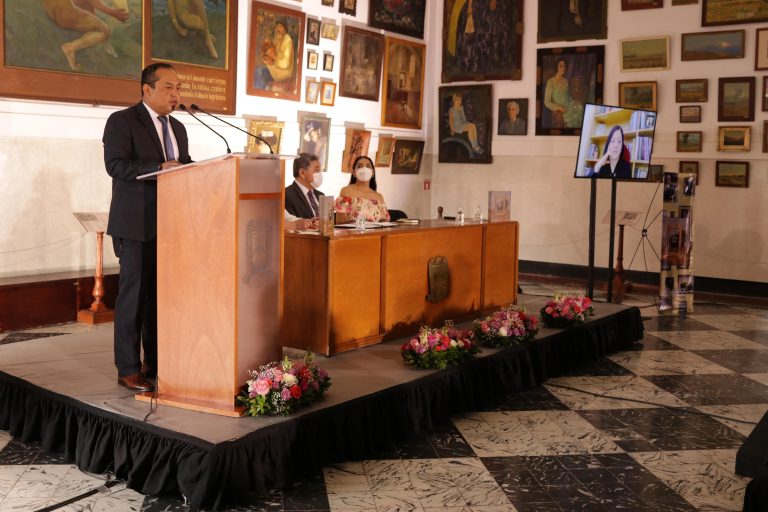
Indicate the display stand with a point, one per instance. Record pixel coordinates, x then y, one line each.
98 313
592 222
219 278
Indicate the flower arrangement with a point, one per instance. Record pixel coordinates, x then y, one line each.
506 327
281 387
438 347
566 310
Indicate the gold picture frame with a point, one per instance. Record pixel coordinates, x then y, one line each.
327 93
733 138
403 83
384 151
269 130
644 54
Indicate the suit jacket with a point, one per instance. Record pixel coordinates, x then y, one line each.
132 148
297 203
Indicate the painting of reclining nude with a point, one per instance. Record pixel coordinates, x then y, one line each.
466 124
190 31
93 37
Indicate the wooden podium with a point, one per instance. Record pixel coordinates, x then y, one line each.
219 278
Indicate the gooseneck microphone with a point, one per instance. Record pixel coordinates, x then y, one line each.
195 107
188 111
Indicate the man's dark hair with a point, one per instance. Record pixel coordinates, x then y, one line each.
149 74
303 163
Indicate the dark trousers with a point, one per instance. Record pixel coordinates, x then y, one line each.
136 306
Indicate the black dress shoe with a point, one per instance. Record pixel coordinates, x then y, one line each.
148 372
136 382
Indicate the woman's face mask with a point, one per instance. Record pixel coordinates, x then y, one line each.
363 172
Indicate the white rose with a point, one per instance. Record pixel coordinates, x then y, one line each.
453 343
502 331
289 380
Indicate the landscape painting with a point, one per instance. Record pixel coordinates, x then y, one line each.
724 44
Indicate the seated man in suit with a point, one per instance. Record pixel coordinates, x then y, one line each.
302 196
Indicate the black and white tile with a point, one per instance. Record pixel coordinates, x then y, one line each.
653 429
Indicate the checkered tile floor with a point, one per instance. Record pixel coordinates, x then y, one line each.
654 429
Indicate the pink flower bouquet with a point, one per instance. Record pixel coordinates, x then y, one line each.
566 310
280 387
507 327
439 347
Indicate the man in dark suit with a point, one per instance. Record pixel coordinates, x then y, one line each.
302 199
139 140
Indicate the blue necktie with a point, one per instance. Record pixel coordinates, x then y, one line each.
167 141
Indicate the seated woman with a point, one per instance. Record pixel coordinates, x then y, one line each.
360 196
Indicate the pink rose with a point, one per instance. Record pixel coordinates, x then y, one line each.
262 386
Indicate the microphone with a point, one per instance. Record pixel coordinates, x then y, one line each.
185 109
195 107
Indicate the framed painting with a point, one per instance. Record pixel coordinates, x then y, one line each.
403 95
384 152
765 136
328 59
204 57
733 138
327 93
731 174
723 44
327 3
631 5
566 79
406 157
465 123
314 134
640 95
313 31
270 131
329 30
644 54
513 116
765 94
572 21
312 91
34 65
736 99
401 17
761 49
491 50
348 7
684 2
690 113
356 144
312 59
689 142
362 52
690 167
275 49
655 173
691 91
729 12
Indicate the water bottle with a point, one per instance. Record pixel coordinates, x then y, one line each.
460 217
360 222
478 214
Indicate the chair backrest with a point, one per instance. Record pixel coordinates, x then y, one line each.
395 215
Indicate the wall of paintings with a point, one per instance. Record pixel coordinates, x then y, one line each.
485 100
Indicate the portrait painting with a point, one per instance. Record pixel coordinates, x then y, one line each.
645 54
566 79
362 53
731 174
736 99
723 44
572 20
312 91
384 152
465 123
401 17
406 157
313 31
328 59
348 7
275 52
403 95
40 54
190 31
727 12
513 116
270 131
312 59
691 91
639 95
314 134
355 145
482 40
327 93
689 142
733 138
329 30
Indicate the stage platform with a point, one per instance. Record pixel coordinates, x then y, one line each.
62 390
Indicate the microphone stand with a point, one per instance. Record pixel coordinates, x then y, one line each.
188 111
195 107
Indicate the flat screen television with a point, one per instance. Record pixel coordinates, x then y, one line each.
616 142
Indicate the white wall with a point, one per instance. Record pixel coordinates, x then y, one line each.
51 158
